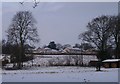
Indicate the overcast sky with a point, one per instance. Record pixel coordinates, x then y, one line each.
61 22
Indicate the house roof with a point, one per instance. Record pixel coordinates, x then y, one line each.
111 60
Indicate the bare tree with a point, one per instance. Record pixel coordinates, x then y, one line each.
59 46
115 26
98 34
22 31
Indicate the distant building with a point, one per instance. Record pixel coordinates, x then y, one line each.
111 63
71 50
88 58
45 50
84 59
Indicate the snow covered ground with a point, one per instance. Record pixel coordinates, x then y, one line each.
60 74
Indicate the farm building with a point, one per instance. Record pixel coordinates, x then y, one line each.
72 50
111 63
93 62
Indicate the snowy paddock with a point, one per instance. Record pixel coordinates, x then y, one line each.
61 74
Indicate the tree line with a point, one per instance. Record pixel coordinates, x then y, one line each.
59 46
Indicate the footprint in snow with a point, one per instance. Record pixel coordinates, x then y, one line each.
22 77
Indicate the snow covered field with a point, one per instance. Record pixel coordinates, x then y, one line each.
61 74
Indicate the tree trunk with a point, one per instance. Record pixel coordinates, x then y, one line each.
98 65
20 55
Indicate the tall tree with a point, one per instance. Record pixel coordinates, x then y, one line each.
0 47
115 26
98 34
22 31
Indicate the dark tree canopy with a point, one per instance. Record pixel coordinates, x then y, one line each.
52 45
